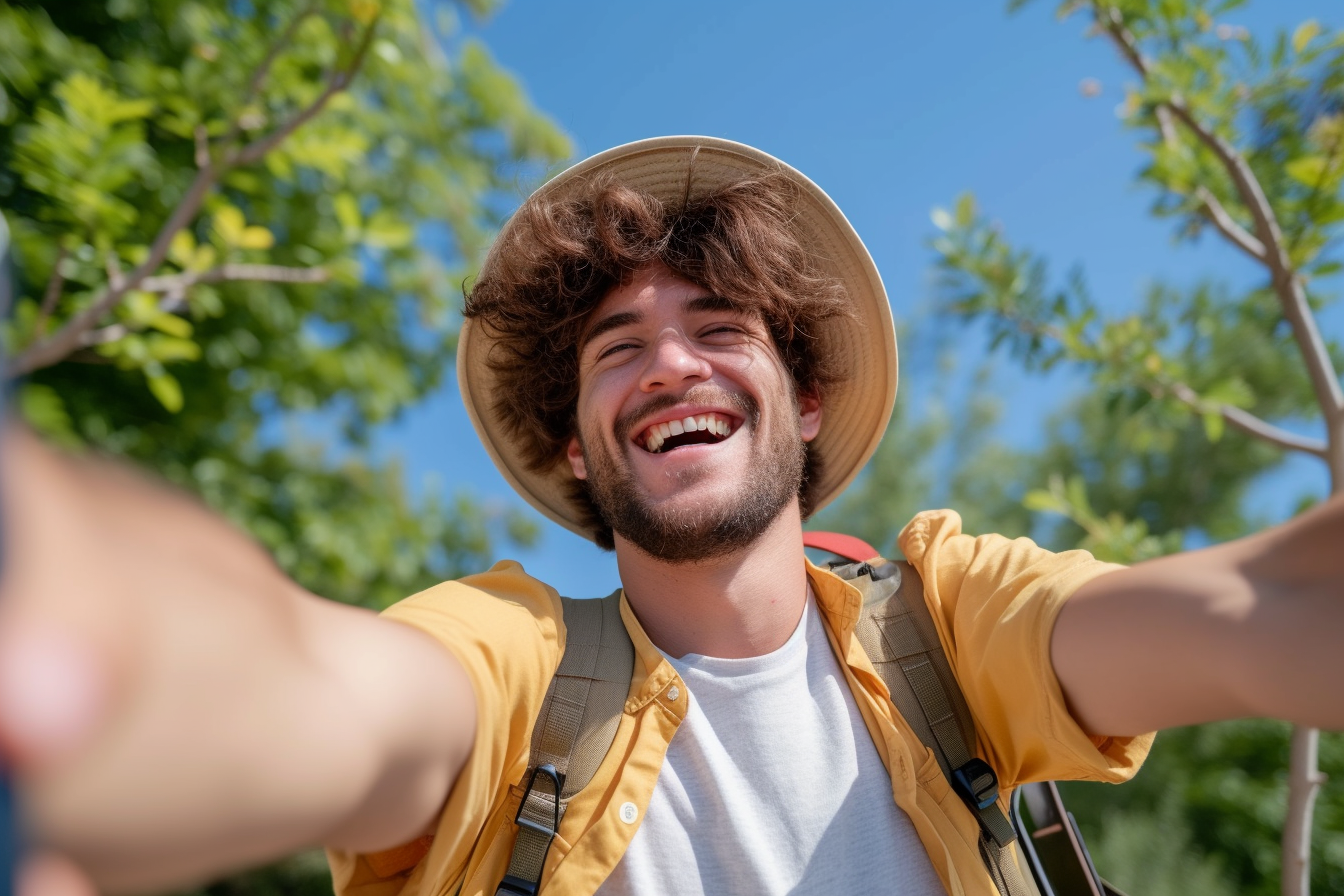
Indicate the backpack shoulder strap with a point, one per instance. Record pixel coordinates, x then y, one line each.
573 731
898 633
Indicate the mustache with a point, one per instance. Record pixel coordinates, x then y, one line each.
744 405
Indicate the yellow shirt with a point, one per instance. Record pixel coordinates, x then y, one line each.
994 602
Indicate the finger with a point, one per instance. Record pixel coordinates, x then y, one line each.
52 693
51 874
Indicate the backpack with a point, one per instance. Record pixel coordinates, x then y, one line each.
583 705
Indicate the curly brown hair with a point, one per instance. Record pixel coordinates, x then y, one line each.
560 256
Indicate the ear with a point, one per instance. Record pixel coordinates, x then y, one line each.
809 415
575 454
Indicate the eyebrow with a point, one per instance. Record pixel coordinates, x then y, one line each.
712 303
609 323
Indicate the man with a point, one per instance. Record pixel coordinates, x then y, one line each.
678 348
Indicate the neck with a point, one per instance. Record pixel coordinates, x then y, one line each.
744 604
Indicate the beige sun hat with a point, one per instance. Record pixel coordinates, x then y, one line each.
854 412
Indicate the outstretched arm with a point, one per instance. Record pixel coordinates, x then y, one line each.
175 707
1247 628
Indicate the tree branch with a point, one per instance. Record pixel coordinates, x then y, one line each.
52 294
1228 227
175 284
1287 285
339 80
1246 421
263 69
1238 418
1304 775
68 337
202 138
1302 791
72 333
174 289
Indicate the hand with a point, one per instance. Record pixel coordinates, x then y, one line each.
175 708
51 874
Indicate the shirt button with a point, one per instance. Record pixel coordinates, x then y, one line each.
629 813
673 693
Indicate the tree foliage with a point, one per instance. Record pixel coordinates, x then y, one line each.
1193 395
227 216
240 232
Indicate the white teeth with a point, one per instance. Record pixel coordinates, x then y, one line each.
659 433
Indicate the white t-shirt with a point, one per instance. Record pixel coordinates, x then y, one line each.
772 786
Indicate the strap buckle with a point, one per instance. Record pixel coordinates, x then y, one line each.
976 783
512 884
516 886
558 783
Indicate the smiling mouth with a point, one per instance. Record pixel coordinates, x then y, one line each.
700 429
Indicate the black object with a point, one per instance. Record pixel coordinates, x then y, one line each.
512 884
1052 845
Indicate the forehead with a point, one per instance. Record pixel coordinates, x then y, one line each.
648 285
654 291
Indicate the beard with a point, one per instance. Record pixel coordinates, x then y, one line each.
711 529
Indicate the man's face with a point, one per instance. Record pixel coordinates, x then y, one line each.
690 434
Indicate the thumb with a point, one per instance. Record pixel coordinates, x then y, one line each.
51 874
52 693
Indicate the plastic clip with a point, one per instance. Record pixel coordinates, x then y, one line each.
976 783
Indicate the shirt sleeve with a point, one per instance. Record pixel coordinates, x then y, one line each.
995 601
505 628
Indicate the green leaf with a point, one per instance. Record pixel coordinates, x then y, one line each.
1214 426
255 237
385 230
1042 501
181 249
1308 170
347 213
165 348
41 408
1233 391
229 225
171 324
364 11
166 389
1303 34
1076 494
965 210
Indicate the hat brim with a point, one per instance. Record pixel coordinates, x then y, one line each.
855 412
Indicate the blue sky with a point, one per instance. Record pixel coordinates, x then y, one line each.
893 108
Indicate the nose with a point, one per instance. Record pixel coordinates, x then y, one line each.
672 361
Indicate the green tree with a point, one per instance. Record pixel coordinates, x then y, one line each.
942 454
240 231
1243 140
226 216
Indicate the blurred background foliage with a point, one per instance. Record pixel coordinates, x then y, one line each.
240 233
1183 403
230 217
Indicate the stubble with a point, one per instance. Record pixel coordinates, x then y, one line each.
712 529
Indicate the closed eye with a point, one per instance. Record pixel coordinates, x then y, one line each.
723 333
613 349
